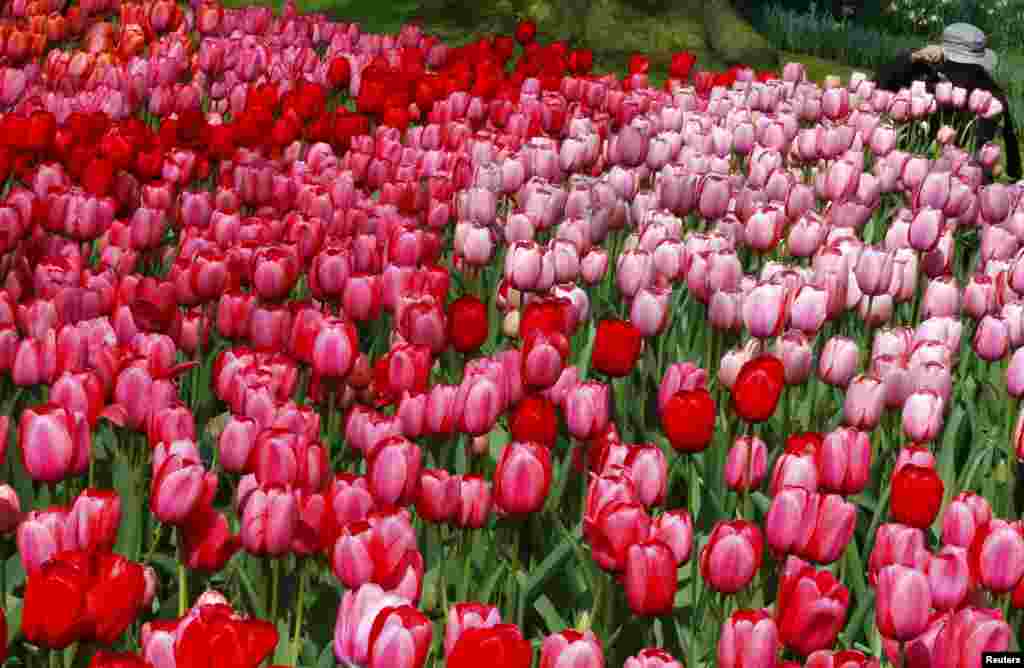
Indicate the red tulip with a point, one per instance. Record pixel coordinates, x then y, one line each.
217 636
811 607
526 32
681 65
468 324
104 659
500 646
916 495
619 525
650 578
688 420
101 595
845 659
758 388
639 64
534 418
617 347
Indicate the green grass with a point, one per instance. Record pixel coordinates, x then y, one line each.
387 16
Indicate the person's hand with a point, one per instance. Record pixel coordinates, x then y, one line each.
930 54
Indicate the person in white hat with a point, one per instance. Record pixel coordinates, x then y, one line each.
963 58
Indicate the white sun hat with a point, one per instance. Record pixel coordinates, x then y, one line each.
964 43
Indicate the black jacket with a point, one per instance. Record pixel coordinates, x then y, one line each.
902 71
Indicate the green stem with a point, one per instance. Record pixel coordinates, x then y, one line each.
182 578
275 576
300 606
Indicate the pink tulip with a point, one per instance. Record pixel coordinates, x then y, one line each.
746 464
865 399
965 515
474 502
54 443
586 409
41 535
400 638
177 488
903 602
748 638
922 416
522 478
949 577
356 616
967 635
844 461
839 360
268 522
732 556
652 657
997 556
393 471
675 529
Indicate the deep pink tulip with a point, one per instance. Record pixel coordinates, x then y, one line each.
335 348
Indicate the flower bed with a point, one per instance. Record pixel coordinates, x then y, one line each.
323 346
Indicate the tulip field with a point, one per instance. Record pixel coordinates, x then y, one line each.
321 347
